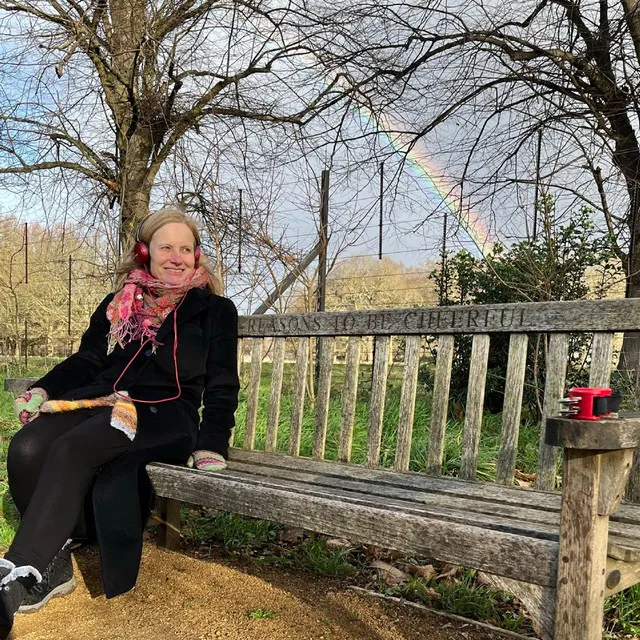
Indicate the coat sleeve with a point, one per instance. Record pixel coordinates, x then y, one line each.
220 399
84 365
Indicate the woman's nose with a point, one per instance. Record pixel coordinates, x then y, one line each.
176 258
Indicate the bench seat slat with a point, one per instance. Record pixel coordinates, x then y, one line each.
498 552
450 511
486 491
275 394
553 392
349 398
601 357
407 402
507 515
299 386
325 347
513 392
543 523
474 406
440 406
378 396
252 394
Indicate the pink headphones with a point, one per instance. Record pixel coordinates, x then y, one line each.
141 249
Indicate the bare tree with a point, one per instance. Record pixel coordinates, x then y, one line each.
111 86
478 81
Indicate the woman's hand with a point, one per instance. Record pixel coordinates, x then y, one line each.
27 406
206 461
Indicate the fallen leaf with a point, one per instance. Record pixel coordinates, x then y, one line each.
458 411
425 571
390 574
449 571
334 544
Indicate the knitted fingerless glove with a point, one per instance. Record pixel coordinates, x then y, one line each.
207 461
27 405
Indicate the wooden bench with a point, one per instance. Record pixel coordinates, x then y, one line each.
561 555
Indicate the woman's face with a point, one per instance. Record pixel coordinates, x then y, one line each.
172 253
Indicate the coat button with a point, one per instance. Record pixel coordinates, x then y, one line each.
153 409
148 352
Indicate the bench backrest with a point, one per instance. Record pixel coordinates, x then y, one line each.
279 335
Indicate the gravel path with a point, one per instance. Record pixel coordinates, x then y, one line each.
180 597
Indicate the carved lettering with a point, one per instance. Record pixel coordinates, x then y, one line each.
456 319
522 319
349 322
504 314
445 320
406 320
471 319
372 322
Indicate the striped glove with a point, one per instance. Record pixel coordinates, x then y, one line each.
27 405
206 461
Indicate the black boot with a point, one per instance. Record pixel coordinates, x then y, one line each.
13 589
57 580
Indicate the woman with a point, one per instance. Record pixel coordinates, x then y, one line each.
162 345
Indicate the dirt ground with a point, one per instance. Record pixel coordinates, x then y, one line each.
180 597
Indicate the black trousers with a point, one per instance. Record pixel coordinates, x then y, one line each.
51 463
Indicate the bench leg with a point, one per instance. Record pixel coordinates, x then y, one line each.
589 494
539 601
169 516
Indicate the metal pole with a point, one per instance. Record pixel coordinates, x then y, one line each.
443 288
322 258
26 253
381 209
324 224
240 235
69 301
537 191
26 344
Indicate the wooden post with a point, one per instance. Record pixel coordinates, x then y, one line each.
597 459
169 517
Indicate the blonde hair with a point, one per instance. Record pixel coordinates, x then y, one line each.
147 228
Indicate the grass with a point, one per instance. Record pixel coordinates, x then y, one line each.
261 614
259 540
9 425
489 443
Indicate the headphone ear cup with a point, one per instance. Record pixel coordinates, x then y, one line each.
141 253
196 254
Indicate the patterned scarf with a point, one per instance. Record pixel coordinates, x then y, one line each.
124 416
141 306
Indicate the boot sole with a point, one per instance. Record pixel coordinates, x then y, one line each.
61 590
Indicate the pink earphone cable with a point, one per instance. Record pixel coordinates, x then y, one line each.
175 362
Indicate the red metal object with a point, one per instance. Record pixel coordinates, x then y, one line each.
585 399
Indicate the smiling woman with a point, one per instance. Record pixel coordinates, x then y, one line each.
157 349
172 253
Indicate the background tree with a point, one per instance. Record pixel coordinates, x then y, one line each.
113 86
564 263
43 300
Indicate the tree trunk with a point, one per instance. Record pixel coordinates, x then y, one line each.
136 181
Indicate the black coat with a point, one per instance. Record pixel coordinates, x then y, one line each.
166 432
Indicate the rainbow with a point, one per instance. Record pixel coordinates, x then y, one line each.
428 176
